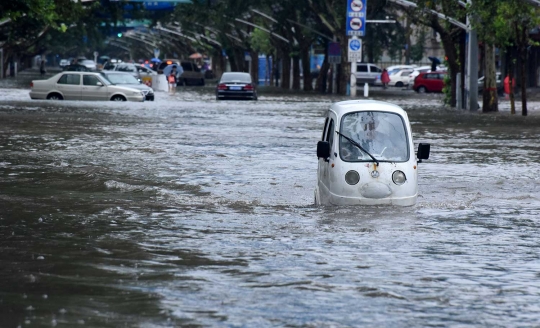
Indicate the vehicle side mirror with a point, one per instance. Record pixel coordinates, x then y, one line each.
423 152
99 84
323 150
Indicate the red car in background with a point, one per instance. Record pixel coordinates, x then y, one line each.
429 82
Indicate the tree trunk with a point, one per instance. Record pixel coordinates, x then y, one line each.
523 56
322 79
296 72
510 74
490 100
306 67
286 73
254 67
453 66
344 69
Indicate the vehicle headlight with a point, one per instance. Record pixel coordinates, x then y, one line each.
352 177
399 178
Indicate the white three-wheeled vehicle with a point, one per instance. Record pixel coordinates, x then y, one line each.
366 156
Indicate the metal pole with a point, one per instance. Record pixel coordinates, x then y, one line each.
334 75
471 77
353 79
1 63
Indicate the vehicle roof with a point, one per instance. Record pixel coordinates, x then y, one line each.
343 107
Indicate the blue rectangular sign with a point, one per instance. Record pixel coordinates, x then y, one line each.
356 17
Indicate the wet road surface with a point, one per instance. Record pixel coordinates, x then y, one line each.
190 212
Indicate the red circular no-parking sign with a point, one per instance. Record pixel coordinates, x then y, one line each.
357 5
356 23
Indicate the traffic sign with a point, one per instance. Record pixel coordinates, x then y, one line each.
334 53
355 50
356 17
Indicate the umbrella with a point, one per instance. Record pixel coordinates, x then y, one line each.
168 69
195 56
435 60
155 60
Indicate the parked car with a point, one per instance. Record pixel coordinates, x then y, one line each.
82 86
366 156
367 73
394 68
64 63
90 64
76 68
127 80
192 74
130 68
165 63
429 82
400 77
236 85
498 81
423 69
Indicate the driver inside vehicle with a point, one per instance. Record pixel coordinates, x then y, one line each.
383 137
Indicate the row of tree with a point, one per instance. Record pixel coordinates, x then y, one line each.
288 31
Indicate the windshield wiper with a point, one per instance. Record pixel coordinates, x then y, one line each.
358 145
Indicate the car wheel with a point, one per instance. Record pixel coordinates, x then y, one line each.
118 98
399 84
55 96
422 89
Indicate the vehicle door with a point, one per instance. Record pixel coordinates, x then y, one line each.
93 88
325 165
439 82
375 72
70 86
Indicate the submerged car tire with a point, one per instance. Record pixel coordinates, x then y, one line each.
399 84
55 96
118 98
422 89
202 82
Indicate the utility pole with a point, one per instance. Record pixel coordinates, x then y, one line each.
471 77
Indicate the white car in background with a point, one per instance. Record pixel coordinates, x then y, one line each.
400 78
70 85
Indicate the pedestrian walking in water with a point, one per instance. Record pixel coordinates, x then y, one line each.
171 79
385 78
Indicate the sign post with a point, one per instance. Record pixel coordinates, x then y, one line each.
95 56
354 56
1 63
356 27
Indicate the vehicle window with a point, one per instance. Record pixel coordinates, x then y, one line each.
72 79
122 79
331 132
143 69
406 73
90 80
126 68
361 68
324 129
376 69
235 77
430 76
186 66
382 134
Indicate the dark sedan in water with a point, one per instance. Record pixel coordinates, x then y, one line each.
236 85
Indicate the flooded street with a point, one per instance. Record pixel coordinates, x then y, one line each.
190 212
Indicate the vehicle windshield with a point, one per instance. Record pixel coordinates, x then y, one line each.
382 134
236 77
122 78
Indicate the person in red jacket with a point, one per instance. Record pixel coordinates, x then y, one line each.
385 78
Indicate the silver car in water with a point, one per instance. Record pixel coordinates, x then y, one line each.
82 86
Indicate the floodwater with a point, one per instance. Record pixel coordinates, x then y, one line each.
190 212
